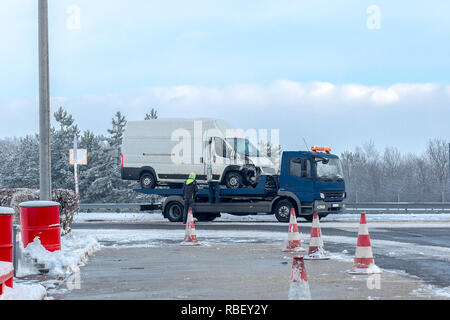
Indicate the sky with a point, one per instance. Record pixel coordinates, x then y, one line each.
335 73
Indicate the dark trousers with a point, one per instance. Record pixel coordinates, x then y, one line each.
187 204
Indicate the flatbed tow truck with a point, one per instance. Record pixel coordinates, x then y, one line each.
308 181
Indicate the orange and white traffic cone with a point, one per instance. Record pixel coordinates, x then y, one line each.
316 250
190 238
293 244
364 262
299 287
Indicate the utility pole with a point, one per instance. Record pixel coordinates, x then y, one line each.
45 183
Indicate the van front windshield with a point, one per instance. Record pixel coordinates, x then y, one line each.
239 145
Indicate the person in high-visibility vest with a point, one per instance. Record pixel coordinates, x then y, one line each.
190 189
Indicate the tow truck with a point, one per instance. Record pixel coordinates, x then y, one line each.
308 181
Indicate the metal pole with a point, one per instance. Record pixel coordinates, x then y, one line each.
16 229
75 160
44 104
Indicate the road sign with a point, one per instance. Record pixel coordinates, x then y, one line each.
81 157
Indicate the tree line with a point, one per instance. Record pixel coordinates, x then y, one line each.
370 174
99 180
373 176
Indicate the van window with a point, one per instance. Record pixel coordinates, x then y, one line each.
300 168
221 148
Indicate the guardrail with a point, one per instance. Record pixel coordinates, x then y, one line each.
368 207
398 207
119 207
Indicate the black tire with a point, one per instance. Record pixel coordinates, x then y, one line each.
147 181
205 217
282 210
233 180
174 211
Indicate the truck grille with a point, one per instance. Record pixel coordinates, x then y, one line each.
333 194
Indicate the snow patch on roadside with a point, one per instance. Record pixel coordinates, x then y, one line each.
431 290
24 292
74 252
83 217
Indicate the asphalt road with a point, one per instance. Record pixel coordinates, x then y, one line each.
430 268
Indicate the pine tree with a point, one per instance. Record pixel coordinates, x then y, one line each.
152 115
61 143
116 134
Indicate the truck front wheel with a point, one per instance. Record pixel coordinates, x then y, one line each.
282 210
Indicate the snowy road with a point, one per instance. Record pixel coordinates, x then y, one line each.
418 247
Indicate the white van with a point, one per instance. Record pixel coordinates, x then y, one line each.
165 151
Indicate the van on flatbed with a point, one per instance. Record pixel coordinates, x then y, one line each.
164 151
309 181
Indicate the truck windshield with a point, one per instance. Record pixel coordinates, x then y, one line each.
239 145
329 171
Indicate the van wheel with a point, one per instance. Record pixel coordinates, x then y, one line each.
282 211
147 181
233 180
174 212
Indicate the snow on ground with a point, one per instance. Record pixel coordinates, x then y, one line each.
346 217
80 243
74 251
24 292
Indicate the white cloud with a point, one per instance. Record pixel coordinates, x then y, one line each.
384 96
296 108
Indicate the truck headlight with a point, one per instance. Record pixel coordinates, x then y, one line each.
321 206
322 195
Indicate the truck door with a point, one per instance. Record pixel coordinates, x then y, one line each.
299 179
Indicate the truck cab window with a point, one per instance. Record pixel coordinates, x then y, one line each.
300 168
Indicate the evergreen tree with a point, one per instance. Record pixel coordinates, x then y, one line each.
61 143
116 134
152 115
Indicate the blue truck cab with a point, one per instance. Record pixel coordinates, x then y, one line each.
313 181
308 181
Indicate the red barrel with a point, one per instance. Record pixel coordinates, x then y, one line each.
41 219
6 237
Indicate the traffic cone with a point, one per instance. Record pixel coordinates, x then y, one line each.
299 287
293 244
316 250
190 237
364 262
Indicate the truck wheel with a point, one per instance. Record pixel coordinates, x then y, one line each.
233 180
147 181
282 210
174 212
